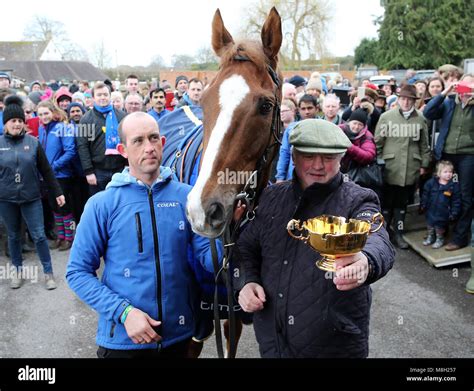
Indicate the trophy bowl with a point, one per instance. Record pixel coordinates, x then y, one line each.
333 237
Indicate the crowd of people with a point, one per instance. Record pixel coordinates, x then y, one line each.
61 145
72 125
407 132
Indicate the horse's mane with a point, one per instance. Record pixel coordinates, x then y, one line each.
250 49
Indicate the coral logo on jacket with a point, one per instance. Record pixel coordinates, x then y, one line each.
363 215
167 204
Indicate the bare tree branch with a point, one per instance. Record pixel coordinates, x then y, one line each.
304 24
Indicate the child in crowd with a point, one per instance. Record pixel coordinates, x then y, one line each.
442 203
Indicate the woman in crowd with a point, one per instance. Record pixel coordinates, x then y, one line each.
21 162
57 139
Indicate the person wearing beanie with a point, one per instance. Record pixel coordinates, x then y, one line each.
78 97
401 137
314 87
366 103
22 198
360 116
35 86
362 152
5 80
181 86
299 82
75 111
274 267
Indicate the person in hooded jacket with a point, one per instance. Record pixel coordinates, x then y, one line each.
138 225
57 139
363 151
22 160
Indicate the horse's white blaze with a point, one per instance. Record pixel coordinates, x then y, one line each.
231 93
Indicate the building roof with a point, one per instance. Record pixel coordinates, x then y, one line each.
22 50
53 70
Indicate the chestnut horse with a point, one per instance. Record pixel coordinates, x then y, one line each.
241 114
241 131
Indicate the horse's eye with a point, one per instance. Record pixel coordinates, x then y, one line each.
266 107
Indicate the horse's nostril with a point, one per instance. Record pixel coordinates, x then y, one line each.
215 214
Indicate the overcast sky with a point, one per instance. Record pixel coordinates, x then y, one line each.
134 32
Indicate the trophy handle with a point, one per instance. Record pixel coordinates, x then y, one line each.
375 217
294 225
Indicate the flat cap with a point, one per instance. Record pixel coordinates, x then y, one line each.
319 136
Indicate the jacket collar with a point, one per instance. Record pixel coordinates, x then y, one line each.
316 190
17 137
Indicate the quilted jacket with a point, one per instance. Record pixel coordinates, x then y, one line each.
304 314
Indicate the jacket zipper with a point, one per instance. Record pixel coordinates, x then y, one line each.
138 224
157 260
17 164
112 330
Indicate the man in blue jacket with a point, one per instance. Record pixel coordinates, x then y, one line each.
138 225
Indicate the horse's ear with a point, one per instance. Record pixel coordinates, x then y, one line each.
272 36
221 38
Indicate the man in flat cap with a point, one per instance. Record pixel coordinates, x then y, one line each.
300 310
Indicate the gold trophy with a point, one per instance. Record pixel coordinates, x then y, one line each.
334 237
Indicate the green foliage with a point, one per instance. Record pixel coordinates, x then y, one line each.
366 52
424 34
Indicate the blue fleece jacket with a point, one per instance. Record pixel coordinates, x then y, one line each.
152 274
157 115
285 165
57 140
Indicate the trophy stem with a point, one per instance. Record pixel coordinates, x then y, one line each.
327 263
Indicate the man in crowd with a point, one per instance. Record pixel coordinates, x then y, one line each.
131 85
181 86
98 159
331 106
145 303
158 101
299 310
193 95
133 103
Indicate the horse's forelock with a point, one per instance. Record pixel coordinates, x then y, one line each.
250 49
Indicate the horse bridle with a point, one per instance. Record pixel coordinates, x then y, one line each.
248 197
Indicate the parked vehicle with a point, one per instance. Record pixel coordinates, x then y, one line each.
469 65
425 74
381 79
366 73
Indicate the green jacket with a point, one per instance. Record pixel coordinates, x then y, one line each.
403 145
